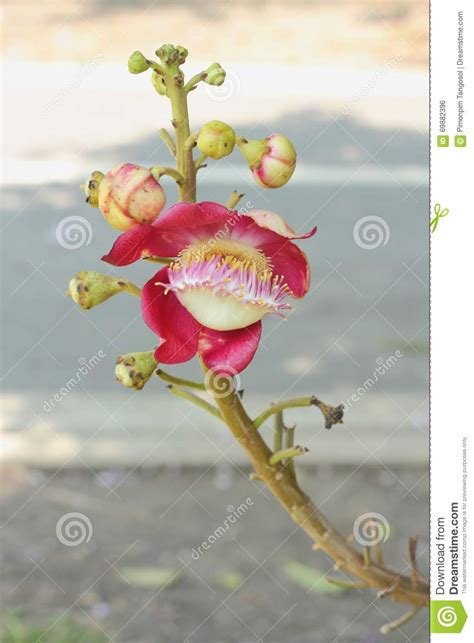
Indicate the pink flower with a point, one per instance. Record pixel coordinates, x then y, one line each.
230 271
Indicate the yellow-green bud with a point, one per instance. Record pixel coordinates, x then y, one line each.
216 139
137 63
215 74
88 288
159 84
91 188
135 369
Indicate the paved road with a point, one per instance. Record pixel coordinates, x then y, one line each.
156 520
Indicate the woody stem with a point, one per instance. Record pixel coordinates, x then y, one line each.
302 510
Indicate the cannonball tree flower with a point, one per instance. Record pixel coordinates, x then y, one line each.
127 195
229 271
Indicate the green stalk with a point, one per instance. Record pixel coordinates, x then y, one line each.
184 157
195 399
171 379
281 406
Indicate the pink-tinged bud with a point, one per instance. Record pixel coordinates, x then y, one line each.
272 159
127 195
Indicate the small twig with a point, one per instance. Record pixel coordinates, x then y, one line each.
131 288
166 136
289 434
171 379
278 432
157 67
367 556
280 406
191 84
198 401
191 141
332 414
393 625
233 200
284 454
415 572
199 163
378 553
346 584
159 171
255 476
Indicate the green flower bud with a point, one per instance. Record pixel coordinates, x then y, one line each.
135 369
169 54
216 139
215 74
88 289
159 84
165 53
137 63
182 54
91 188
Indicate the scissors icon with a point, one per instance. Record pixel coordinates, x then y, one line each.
439 214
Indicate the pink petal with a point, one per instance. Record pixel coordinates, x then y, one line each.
192 215
259 227
171 232
291 262
229 352
276 223
130 246
178 330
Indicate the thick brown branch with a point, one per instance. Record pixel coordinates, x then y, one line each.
301 509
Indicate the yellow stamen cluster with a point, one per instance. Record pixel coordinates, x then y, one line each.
235 254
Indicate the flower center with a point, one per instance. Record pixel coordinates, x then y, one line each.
226 285
226 248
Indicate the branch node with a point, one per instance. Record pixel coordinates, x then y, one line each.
388 590
394 625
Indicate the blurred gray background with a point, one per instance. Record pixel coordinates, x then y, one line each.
348 83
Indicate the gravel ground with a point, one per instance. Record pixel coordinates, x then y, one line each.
237 591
